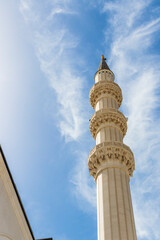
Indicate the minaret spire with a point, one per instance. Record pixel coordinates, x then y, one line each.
111 162
103 64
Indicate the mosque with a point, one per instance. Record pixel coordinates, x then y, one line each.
110 162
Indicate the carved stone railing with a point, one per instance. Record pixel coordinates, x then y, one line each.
103 88
111 153
107 117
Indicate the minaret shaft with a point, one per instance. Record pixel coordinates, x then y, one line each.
114 206
111 162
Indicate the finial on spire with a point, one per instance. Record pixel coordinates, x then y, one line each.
102 57
103 64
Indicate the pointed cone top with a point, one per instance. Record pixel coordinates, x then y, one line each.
103 64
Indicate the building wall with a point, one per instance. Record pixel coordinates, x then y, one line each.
13 225
9 226
5 237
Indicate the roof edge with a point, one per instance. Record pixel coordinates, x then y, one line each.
17 194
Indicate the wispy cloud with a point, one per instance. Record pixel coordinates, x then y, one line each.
133 33
138 71
60 11
84 186
55 48
125 11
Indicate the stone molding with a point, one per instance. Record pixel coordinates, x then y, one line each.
14 201
112 153
102 88
104 117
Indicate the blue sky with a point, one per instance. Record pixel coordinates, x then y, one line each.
49 53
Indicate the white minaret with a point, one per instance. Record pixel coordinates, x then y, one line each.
111 162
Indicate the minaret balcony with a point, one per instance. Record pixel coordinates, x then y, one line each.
107 117
111 155
105 89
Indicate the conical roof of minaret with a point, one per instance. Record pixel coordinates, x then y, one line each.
103 64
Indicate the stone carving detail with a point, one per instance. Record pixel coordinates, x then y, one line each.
107 116
105 88
110 152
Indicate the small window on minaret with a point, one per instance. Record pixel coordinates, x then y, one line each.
102 71
99 72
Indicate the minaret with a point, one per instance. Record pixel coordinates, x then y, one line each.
111 162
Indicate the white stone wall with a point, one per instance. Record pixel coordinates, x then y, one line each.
5 237
105 103
13 225
108 134
104 75
9 226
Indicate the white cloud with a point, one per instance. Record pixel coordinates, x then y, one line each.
63 79
60 11
137 73
25 8
55 48
84 184
125 11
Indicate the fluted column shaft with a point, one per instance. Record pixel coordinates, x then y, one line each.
114 206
